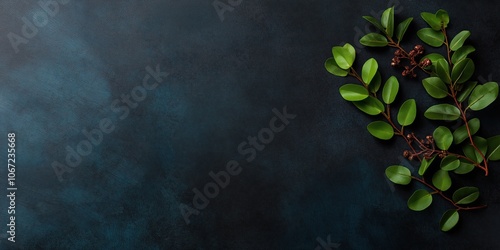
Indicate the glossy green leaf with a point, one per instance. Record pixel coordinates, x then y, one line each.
344 56
483 95
353 92
443 137
370 105
434 57
375 22
431 37
420 200
482 144
458 41
443 16
494 148
376 83
381 130
467 88
464 168
369 70
450 163
402 27
443 70
431 20
387 21
441 180
462 53
407 112
470 153
390 90
435 87
449 220
465 195
445 112
425 164
374 40
350 49
462 71
461 133
398 174
332 67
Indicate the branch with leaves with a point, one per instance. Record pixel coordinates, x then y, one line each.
448 79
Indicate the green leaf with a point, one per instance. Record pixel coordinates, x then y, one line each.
353 92
449 220
435 87
462 53
369 70
443 137
432 20
374 40
344 56
445 112
390 90
376 82
370 105
470 153
466 90
465 195
351 50
443 70
434 57
450 163
443 16
420 200
461 133
458 41
441 180
381 130
402 27
407 112
494 148
375 22
425 164
462 71
332 67
483 95
431 37
464 168
387 21
482 145
398 174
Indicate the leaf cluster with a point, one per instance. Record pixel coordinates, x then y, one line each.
449 80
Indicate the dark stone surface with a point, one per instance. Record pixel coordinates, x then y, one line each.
322 176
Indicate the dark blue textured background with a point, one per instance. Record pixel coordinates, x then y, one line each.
321 177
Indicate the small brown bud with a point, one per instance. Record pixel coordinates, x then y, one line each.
426 62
